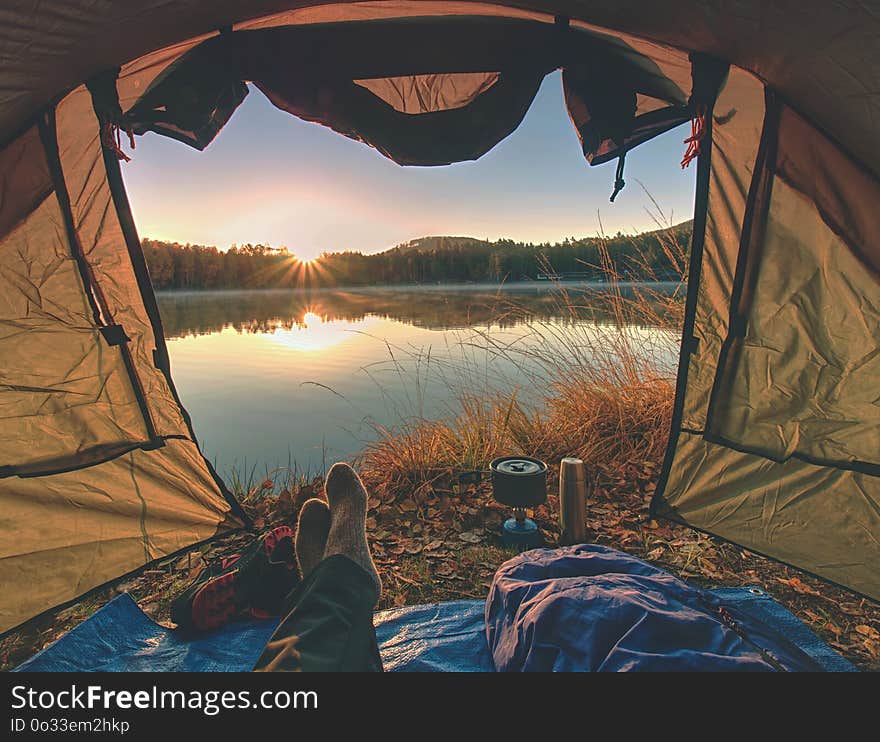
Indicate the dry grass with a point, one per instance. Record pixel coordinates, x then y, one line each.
607 389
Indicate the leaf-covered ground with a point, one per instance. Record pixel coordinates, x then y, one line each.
441 544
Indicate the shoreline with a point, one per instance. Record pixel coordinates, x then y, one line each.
511 286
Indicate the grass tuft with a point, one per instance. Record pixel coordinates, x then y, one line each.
602 382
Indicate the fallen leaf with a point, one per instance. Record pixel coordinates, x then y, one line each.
868 631
833 629
797 584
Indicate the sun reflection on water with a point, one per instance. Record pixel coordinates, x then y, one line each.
314 333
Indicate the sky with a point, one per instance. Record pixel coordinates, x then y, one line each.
272 178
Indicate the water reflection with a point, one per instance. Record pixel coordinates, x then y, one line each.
431 307
273 377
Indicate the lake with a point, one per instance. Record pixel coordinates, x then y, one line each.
305 378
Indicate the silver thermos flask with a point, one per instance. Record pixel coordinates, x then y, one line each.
572 501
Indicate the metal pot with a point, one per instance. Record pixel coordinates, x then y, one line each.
519 481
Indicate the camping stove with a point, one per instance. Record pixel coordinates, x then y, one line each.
521 482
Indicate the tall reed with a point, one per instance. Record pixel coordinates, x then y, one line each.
598 384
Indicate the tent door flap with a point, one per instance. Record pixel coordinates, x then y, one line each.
799 369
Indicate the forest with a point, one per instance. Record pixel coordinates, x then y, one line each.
428 260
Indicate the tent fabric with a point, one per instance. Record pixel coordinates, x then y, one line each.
25 180
64 534
843 192
99 232
439 637
65 392
136 76
302 14
774 440
737 122
417 94
434 101
604 110
820 57
821 519
99 470
591 608
673 64
817 396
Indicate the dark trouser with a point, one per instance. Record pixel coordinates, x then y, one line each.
328 625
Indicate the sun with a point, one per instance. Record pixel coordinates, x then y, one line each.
305 271
293 271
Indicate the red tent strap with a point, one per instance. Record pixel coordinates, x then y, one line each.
698 129
111 138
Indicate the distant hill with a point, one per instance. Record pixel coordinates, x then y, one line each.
655 255
438 242
441 243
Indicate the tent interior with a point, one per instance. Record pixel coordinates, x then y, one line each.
775 443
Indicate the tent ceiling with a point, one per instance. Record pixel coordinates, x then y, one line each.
822 57
329 73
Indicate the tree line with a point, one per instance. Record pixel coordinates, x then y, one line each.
653 255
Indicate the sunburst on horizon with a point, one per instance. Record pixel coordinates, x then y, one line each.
293 271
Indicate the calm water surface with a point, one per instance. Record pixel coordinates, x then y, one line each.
278 377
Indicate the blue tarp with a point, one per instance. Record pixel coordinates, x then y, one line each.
442 637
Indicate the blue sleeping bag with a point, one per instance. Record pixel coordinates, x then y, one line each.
591 608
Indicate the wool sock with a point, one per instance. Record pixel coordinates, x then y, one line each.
311 534
348 515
